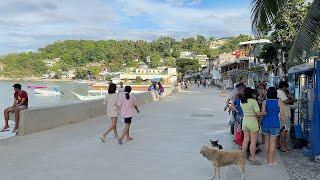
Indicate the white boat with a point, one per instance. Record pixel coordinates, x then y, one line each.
91 95
47 92
84 81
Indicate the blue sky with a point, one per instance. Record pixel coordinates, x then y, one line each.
26 25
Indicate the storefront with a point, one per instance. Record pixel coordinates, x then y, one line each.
305 82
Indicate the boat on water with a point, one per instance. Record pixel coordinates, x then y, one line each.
54 91
89 82
91 95
37 86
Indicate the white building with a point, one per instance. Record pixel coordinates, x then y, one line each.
203 60
186 54
168 74
51 62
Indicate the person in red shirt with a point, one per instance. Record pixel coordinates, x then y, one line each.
20 103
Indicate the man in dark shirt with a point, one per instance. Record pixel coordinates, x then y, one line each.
20 103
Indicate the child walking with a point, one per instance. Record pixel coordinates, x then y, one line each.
112 110
127 104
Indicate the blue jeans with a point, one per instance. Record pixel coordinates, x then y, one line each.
271 131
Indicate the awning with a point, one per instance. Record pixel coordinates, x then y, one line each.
301 68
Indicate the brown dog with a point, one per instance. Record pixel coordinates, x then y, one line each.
221 158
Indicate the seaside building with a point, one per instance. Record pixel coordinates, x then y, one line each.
168 74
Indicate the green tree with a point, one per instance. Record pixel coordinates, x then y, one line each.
155 60
185 65
138 80
265 14
170 61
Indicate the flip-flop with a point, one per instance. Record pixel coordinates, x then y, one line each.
130 139
120 141
102 139
5 130
273 164
282 149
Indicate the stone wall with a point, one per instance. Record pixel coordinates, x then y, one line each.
44 118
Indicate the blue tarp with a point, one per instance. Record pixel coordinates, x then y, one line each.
315 124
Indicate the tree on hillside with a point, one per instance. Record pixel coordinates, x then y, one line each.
185 65
155 60
170 61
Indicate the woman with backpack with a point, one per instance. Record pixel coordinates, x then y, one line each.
127 103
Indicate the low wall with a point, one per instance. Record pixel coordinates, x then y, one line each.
43 118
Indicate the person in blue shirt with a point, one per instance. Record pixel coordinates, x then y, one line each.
273 110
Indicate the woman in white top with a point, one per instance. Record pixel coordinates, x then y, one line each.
112 110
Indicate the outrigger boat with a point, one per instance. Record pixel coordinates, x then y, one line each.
37 86
54 91
91 95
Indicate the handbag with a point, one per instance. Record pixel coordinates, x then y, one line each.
239 136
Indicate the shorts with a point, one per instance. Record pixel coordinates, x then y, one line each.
250 124
22 107
128 120
271 131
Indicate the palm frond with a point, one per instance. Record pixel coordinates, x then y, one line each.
263 13
308 33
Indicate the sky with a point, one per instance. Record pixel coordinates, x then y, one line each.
26 25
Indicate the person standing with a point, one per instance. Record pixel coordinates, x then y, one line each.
110 101
286 125
273 108
127 104
121 88
250 124
20 102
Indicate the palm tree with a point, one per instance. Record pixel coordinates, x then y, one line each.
264 13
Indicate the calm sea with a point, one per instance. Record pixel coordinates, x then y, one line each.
36 100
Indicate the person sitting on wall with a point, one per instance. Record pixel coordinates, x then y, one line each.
20 103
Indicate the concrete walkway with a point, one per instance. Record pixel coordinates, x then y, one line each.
168 137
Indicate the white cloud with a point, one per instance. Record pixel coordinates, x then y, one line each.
35 23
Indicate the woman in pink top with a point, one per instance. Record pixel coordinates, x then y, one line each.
127 104
112 110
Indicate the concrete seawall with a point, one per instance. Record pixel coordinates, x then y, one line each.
45 118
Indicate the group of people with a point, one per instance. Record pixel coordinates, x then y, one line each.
156 87
262 110
121 104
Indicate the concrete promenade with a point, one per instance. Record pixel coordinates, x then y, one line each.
168 137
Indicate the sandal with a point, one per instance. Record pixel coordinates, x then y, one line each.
282 150
273 164
129 139
120 141
103 139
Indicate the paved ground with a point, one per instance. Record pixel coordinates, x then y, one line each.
168 137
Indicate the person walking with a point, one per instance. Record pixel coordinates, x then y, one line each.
273 108
110 101
127 104
250 124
